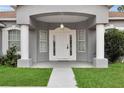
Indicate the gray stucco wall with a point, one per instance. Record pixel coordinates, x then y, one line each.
117 23
38 56
24 12
43 56
88 56
33 45
91 44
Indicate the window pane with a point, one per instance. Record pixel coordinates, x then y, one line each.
70 45
43 36
18 35
81 46
10 35
81 40
43 46
54 45
43 41
14 39
15 43
81 35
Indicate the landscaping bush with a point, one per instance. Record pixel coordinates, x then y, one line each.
114 44
11 57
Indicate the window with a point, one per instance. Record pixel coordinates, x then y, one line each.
54 45
70 36
81 40
14 39
43 41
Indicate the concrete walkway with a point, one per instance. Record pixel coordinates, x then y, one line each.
62 75
62 78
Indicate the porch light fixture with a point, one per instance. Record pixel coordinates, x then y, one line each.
61 26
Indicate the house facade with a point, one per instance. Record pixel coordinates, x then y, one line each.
58 33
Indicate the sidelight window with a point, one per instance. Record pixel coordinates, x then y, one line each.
81 40
43 41
54 46
70 45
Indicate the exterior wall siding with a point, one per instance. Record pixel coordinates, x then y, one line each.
117 23
91 44
86 56
7 24
33 45
37 56
24 12
42 56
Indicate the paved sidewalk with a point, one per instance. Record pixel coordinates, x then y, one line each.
62 78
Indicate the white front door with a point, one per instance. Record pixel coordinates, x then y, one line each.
62 44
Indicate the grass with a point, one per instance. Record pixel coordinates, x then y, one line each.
112 77
10 76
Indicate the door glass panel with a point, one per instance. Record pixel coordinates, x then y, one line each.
70 45
54 46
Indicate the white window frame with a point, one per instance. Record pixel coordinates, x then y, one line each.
46 40
84 40
5 38
14 40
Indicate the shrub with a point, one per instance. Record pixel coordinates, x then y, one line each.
114 44
11 57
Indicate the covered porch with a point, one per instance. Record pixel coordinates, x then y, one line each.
50 39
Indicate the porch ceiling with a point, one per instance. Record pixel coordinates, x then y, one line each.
62 17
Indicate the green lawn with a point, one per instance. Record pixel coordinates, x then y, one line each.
112 77
10 76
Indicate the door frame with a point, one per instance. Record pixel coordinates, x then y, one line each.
51 33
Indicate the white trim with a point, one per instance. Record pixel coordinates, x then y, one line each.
5 37
12 27
62 56
82 40
112 26
4 41
7 19
116 18
14 39
40 32
109 26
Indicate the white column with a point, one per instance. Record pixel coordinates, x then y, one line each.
4 41
24 42
100 41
